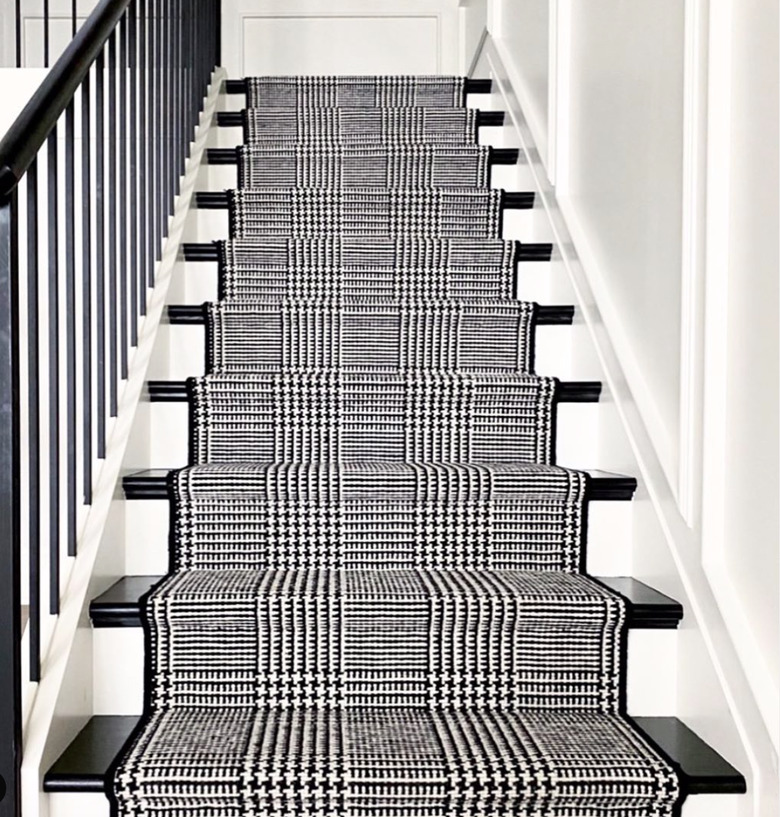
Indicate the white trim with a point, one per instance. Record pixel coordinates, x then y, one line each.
741 728
560 111
694 214
553 66
47 704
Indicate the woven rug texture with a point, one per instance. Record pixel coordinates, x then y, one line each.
377 603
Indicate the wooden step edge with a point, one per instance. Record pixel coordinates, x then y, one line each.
602 486
84 765
574 391
235 119
195 314
648 609
218 200
473 86
230 156
527 252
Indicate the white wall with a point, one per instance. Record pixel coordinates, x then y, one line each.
339 37
742 483
657 150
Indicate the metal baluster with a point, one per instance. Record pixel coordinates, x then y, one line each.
70 325
123 220
100 252
134 214
144 179
45 33
10 502
54 378
18 33
86 286
33 423
113 357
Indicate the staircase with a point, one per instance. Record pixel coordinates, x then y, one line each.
383 595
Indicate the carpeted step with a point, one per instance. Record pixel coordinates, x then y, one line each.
359 166
377 514
311 212
357 266
332 415
458 126
355 91
366 762
370 333
385 638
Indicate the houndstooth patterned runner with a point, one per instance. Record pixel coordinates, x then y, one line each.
348 126
355 92
378 514
365 762
387 268
368 213
360 166
331 415
349 333
376 605
482 619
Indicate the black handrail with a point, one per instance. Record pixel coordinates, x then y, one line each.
96 219
25 137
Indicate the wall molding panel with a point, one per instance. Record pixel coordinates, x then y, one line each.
340 37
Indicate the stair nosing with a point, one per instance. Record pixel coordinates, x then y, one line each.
602 486
195 314
118 728
665 614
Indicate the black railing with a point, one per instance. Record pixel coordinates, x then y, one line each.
80 233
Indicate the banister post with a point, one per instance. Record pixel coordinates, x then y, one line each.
10 487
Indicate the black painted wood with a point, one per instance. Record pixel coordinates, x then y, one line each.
473 86
195 314
648 608
602 485
235 119
210 200
526 252
83 766
229 156
702 770
175 391
119 606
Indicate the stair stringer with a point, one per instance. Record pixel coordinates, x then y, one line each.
713 695
62 702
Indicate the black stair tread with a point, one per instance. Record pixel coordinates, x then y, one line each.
647 608
84 765
546 315
702 770
473 86
573 391
218 200
152 483
235 119
229 156
208 252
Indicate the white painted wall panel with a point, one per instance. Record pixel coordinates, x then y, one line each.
340 37
340 45
625 185
524 28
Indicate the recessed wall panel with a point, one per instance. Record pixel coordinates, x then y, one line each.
340 45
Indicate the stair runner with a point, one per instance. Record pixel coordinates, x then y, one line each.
377 605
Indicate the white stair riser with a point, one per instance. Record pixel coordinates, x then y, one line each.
96 805
119 661
608 541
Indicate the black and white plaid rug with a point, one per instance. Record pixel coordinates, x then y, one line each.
377 604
